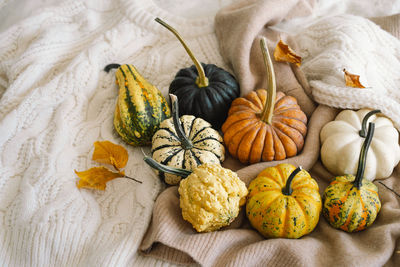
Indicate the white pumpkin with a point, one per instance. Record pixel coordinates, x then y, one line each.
186 143
341 144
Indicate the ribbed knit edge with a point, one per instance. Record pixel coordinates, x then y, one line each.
389 24
333 96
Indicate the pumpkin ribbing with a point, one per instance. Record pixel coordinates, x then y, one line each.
341 142
262 126
185 142
274 212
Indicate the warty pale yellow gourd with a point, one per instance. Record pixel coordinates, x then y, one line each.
342 140
210 196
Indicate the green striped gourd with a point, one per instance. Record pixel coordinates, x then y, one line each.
140 107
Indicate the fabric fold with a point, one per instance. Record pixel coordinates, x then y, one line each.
239 28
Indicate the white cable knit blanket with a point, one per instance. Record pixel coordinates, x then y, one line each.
55 102
361 47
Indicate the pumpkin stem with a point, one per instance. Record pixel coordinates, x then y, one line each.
363 156
288 188
111 66
163 168
202 80
363 131
185 141
268 110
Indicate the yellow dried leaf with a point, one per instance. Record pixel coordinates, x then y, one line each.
96 177
352 80
109 153
284 53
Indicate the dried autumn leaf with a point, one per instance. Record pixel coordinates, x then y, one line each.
352 80
97 177
284 53
109 153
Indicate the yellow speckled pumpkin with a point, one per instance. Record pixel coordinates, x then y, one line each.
352 203
283 201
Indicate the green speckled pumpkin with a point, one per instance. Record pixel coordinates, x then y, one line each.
140 107
283 201
351 203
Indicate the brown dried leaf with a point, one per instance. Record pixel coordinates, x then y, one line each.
96 177
284 53
352 80
109 153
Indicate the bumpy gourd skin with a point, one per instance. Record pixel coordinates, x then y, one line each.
211 197
348 208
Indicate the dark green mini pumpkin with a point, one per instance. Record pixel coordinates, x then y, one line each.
204 90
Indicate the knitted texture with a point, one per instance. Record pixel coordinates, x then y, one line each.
55 102
361 47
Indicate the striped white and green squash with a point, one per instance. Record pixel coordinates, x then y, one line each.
185 143
140 107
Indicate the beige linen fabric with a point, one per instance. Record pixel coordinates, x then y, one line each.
169 237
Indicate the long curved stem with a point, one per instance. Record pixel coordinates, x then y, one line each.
268 110
363 156
185 141
288 188
363 131
202 80
163 168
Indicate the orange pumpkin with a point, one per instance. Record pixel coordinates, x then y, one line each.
265 125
